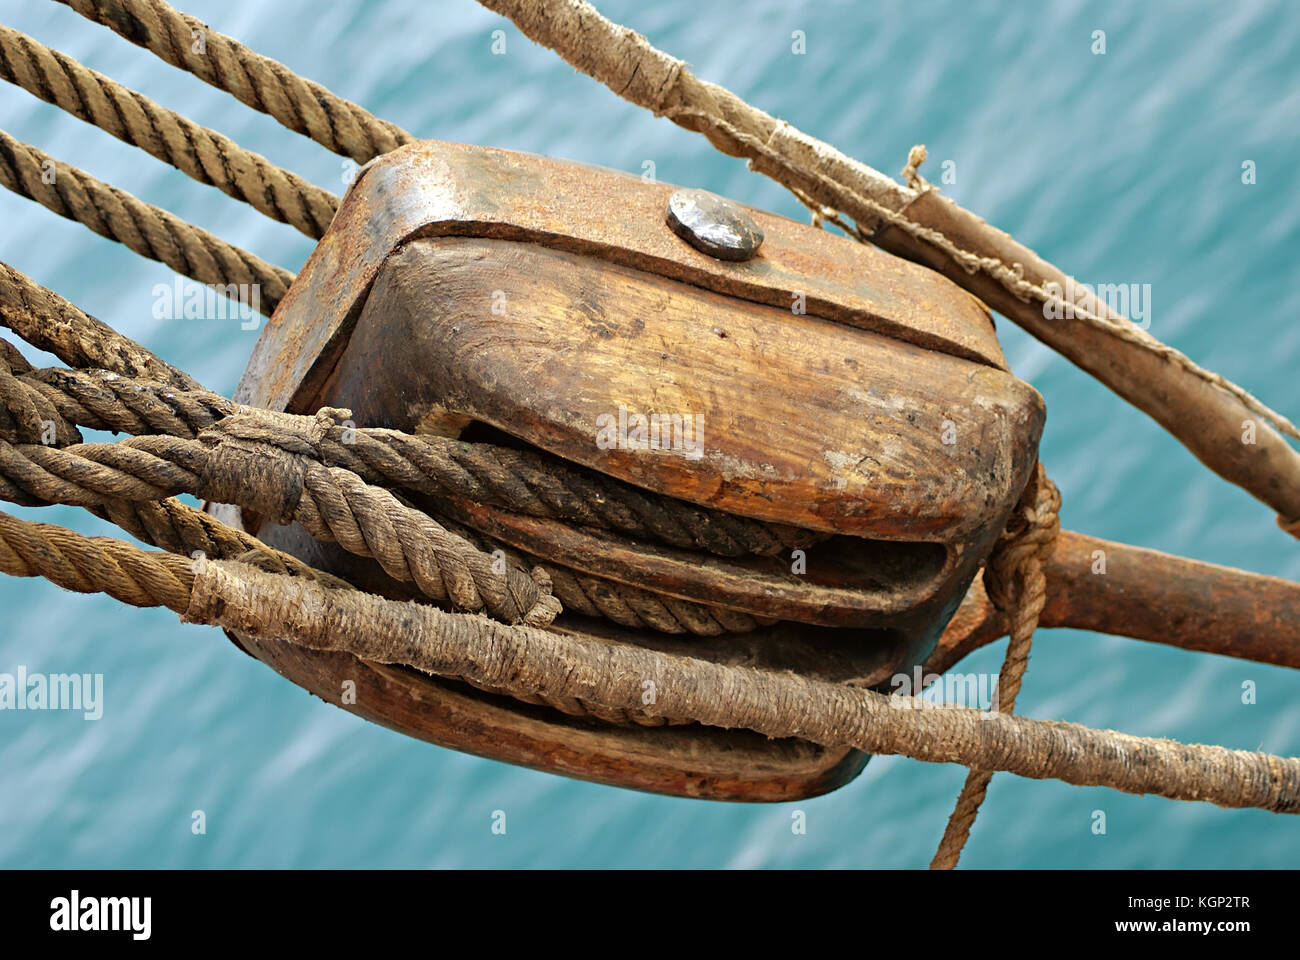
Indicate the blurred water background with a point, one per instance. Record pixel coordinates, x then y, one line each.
1123 168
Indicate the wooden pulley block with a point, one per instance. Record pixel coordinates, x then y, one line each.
684 346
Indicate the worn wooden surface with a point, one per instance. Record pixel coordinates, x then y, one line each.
802 420
433 189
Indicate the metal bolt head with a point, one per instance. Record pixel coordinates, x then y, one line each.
713 225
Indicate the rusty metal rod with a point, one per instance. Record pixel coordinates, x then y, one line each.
1146 595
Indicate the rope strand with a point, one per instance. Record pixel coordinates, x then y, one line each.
148 230
260 82
200 153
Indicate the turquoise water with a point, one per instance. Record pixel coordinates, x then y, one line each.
1123 168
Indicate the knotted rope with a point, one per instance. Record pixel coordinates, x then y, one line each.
1015 582
281 478
521 481
526 482
436 465
915 157
37 469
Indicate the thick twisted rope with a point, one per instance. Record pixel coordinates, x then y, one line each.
179 528
284 484
260 82
148 230
25 412
207 156
621 603
147 579
1015 582
64 399
95 564
49 322
632 607
119 481
540 485
104 400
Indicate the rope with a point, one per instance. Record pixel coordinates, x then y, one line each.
620 603
146 229
636 608
148 579
915 157
283 484
364 520
106 401
558 667
1012 278
203 154
1015 582
94 565
181 529
24 413
49 322
521 481
540 485
260 82
773 703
